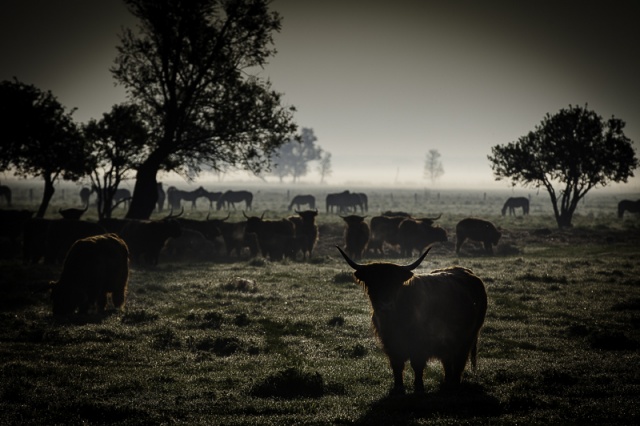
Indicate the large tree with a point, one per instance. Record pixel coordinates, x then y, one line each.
569 153
118 140
189 68
39 138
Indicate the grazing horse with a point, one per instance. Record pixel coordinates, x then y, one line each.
232 197
5 192
175 195
516 202
300 200
628 205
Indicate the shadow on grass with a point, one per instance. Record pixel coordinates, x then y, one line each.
467 402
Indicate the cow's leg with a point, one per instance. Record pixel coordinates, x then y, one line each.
418 364
488 247
459 242
397 366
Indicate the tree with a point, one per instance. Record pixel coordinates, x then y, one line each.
188 68
293 157
118 141
433 166
324 166
574 150
40 138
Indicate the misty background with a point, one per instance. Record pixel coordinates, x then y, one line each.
379 83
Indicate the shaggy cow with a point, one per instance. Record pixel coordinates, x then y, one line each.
477 230
306 231
146 238
62 233
628 205
93 268
421 317
416 234
356 235
235 236
514 203
384 229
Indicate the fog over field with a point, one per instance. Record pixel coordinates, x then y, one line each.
380 85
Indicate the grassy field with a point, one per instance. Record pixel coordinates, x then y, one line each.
252 341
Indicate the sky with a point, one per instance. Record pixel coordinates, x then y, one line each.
381 83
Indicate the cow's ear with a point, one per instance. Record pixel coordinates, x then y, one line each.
403 275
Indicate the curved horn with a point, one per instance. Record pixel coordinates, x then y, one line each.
351 263
417 263
433 218
171 215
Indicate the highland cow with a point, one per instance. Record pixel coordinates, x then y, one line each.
356 235
94 267
422 317
477 230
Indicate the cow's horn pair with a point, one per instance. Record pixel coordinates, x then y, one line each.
409 267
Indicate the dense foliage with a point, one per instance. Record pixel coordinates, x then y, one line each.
189 67
568 154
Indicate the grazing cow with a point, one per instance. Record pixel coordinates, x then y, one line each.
205 227
146 238
422 317
301 200
191 245
416 234
230 198
5 192
175 196
477 230
514 203
306 231
94 267
356 235
275 237
235 236
628 205
73 213
62 233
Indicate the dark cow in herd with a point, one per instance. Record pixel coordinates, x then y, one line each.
93 268
356 235
477 230
302 200
306 231
417 234
422 317
146 238
73 213
275 237
235 236
514 203
628 205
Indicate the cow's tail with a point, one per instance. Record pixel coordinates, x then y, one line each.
474 353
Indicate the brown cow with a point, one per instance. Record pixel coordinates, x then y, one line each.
146 238
477 230
276 237
356 235
421 317
417 234
306 231
94 267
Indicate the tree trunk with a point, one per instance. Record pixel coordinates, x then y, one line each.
49 190
564 219
145 191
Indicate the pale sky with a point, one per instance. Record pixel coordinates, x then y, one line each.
381 83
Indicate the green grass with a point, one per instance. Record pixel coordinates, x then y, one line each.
261 342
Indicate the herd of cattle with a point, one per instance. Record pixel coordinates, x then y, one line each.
406 308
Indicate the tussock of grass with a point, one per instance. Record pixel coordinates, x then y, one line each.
290 383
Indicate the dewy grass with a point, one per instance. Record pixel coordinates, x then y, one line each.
262 342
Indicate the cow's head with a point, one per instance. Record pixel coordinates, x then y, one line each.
381 280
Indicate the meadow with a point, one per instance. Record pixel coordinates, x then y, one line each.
252 341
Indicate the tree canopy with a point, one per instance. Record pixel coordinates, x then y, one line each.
189 68
569 153
117 143
433 165
40 138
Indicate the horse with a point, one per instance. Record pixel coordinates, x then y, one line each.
516 202
232 197
175 195
628 205
300 200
